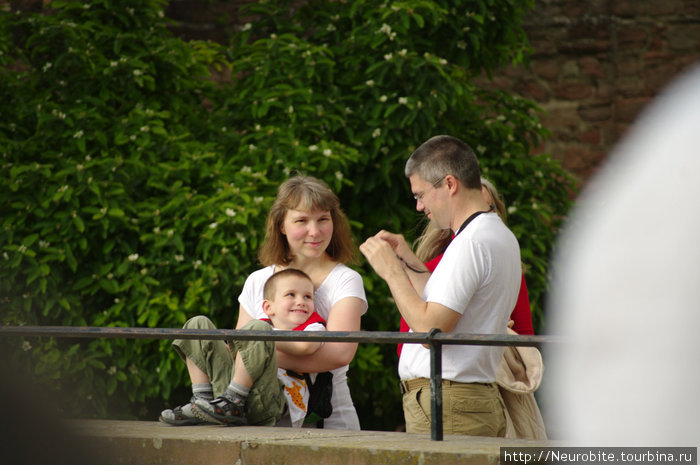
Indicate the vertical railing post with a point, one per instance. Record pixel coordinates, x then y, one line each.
435 386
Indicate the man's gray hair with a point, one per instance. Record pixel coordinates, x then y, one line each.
442 155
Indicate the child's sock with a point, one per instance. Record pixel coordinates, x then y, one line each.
203 391
235 391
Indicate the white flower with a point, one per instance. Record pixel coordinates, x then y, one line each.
442 61
247 27
291 109
388 56
403 100
339 175
230 212
113 63
133 257
112 370
462 45
369 83
512 209
313 148
327 152
376 133
179 258
197 264
257 199
382 98
26 345
330 28
403 52
78 134
145 129
47 66
137 72
212 226
386 29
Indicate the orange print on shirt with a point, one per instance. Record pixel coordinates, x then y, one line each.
295 394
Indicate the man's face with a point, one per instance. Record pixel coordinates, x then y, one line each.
428 198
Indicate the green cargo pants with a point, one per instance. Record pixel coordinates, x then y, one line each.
266 401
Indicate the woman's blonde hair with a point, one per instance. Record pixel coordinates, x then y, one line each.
305 193
434 241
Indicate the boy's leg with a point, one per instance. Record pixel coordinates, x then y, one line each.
212 357
265 402
205 360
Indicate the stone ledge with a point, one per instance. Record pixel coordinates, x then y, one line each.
145 443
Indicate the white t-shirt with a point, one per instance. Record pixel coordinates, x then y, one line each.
340 283
296 390
479 277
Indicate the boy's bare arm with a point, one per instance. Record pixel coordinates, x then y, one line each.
297 347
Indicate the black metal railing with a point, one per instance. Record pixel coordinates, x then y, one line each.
434 339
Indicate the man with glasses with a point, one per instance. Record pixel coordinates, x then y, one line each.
472 290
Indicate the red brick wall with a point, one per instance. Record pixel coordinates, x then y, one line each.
596 64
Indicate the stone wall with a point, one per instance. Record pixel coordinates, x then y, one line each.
595 63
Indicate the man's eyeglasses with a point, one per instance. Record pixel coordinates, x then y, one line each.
419 197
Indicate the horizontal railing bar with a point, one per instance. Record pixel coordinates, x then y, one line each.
381 337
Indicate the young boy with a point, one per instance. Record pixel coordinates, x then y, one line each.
289 303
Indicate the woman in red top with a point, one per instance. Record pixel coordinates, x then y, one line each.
433 242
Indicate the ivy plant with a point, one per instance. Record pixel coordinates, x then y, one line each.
134 185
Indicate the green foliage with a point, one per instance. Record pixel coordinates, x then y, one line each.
135 187
383 78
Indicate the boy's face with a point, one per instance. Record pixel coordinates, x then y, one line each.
292 304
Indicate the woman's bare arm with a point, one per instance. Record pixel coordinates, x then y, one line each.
344 316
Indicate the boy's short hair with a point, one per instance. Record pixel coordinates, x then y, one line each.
270 285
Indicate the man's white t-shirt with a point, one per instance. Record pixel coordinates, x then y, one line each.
479 277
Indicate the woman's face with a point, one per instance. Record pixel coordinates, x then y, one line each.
308 232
